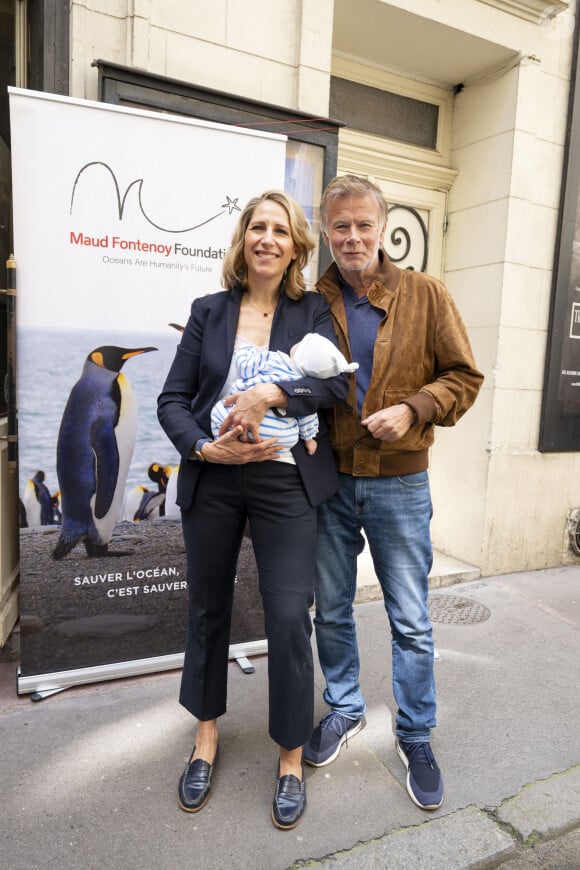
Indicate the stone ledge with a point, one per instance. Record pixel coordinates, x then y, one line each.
445 572
465 839
544 808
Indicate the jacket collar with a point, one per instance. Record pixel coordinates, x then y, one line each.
386 280
236 294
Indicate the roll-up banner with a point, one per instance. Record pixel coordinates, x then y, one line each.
121 218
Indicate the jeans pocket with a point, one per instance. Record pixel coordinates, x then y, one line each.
414 481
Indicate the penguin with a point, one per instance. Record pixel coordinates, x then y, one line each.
95 445
171 509
159 474
151 506
22 518
56 514
142 503
37 502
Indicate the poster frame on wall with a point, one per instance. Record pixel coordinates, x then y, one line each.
560 412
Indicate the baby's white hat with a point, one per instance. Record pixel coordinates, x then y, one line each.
317 357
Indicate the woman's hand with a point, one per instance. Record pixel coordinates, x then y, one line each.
229 450
250 407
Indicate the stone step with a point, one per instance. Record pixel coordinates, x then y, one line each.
445 572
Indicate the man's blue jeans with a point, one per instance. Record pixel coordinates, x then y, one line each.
394 513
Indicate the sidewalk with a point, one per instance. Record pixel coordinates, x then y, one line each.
88 777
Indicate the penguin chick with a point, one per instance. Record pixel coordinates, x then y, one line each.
95 445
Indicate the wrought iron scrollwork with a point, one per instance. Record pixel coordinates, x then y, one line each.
400 235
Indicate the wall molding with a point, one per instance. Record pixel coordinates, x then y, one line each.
530 10
359 150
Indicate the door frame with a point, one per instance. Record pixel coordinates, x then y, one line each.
404 181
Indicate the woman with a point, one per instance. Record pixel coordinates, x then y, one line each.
238 477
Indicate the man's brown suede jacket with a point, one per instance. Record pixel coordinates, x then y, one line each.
422 358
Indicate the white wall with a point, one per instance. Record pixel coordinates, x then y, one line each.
278 52
508 143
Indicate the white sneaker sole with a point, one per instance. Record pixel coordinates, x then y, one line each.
405 761
352 732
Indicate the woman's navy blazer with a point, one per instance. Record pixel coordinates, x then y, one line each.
200 368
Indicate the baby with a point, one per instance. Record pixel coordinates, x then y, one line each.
313 356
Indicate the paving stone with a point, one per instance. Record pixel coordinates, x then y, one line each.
544 807
466 839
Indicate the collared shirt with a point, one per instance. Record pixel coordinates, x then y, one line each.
363 321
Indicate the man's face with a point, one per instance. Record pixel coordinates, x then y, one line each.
354 234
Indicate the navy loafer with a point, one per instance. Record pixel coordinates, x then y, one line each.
289 801
195 784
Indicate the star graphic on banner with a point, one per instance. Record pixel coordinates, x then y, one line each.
231 204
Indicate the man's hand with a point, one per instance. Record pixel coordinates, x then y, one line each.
229 450
249 408
390 424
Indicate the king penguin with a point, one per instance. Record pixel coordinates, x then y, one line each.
171 509
95 445
37 502
159 474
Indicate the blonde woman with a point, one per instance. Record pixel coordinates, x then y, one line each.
238 477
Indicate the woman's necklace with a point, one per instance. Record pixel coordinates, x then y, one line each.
259 310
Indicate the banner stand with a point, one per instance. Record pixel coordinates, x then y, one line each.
103 574
41 686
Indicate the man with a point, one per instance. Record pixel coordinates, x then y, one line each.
416 370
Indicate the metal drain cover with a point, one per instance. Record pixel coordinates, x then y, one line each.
457 610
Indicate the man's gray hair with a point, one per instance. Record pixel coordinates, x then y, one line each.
351 185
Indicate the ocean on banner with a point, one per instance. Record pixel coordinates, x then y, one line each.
50 363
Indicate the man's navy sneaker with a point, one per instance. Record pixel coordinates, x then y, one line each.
327 739
424 780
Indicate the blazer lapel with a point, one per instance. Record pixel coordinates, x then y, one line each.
282 325
232 317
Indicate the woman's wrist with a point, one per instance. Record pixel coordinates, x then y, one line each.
203 448
197 451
